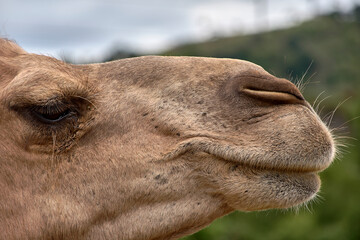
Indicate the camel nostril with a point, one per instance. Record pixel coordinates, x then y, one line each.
273 96
271 89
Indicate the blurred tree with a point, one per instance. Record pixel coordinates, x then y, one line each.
357 13
120 54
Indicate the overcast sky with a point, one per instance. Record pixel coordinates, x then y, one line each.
90 28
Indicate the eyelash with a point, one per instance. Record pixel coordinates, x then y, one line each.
52 114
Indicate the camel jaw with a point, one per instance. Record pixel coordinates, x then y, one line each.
247 187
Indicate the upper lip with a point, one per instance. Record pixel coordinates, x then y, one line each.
232 153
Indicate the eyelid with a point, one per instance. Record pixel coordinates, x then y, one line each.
27 102
61 117
50 108
53 111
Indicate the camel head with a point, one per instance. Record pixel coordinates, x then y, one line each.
148 147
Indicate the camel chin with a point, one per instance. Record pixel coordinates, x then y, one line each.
271 189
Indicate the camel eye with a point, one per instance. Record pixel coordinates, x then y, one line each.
52 114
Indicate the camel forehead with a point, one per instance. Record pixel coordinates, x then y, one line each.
32 69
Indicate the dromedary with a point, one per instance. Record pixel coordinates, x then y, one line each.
148 147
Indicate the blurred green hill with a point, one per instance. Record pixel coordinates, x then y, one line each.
331 43
329 48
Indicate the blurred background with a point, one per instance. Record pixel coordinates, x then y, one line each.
314 41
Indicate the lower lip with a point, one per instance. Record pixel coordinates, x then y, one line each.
273 189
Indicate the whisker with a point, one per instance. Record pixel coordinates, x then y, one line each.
300 84
341 144
321 110
317 98
345 137
318 105
337 107
342 125
309 81
319 198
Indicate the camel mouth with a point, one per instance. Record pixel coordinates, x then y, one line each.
259 182
235 155
278 169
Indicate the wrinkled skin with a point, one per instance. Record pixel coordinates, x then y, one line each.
149 147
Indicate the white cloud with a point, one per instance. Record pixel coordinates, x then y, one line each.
89 27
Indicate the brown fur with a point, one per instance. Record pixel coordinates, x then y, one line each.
153 147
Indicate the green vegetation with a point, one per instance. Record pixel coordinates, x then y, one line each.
330 47
331 43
